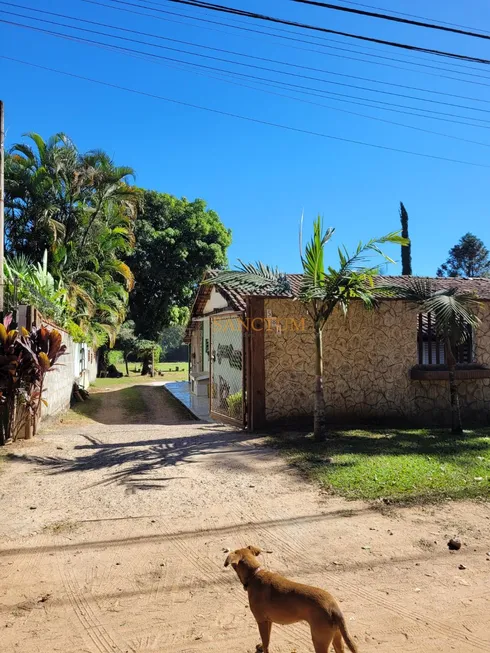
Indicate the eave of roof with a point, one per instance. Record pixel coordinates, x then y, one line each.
237 299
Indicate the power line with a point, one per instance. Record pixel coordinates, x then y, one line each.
401 13
395 19
283 21
224 77
302 40
326 106
222 50
246 118
81 39
296 87
274 29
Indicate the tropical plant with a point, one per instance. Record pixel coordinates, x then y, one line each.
81 209
454 315
148 351
29 283
323 289
25 358
127 342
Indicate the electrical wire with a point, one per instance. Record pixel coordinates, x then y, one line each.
249 30
221 50
302 89
246 118
390 17
317 28
286 31
401 13
257 87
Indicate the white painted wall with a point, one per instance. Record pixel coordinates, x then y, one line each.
79 365
215 302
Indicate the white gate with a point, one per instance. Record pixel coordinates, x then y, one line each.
227 396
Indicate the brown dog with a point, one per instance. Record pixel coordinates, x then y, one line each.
275 599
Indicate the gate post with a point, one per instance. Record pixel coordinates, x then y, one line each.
256 366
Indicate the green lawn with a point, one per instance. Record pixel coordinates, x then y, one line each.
168 369
397 465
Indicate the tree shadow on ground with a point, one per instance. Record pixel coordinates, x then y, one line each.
389 442
134 463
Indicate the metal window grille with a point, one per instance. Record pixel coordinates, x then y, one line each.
431 350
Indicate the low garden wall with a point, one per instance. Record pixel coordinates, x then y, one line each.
78 365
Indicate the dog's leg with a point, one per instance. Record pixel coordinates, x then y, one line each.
265 628
338 642
322 640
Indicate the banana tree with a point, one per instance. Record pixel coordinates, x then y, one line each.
323 289
454 315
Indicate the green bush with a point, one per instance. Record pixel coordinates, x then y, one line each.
115 357
234 402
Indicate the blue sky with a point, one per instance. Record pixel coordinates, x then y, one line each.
259 178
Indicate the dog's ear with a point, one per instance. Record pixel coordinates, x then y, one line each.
231 559
254 550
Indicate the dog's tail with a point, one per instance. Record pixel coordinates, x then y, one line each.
346 636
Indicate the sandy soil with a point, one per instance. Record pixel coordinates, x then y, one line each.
113 534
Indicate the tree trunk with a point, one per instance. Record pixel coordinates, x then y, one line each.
456 424
319 409
126 363
145 369
102 361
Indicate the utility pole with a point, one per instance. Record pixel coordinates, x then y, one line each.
2 201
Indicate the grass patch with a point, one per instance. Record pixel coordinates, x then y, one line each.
133 401
168 370
86 409
399 465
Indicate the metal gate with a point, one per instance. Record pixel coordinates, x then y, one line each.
227 363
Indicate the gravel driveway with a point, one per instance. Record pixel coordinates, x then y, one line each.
114 528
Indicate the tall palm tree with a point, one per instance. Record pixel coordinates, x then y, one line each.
82 209
454 315
323 289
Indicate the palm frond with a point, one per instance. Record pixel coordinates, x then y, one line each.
252 276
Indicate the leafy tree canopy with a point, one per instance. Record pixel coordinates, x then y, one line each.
468 258
176 241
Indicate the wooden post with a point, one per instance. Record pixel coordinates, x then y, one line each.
2 201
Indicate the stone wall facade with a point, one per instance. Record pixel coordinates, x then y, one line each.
368 356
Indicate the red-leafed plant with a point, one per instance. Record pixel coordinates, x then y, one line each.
25 358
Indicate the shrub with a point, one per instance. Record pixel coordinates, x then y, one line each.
234 402
25 358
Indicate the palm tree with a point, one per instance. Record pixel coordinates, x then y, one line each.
454 317
323 289
81 208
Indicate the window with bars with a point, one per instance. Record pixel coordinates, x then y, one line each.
431 350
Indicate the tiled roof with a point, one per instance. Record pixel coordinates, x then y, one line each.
237 299
478 285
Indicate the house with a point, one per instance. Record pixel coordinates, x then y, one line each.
253 356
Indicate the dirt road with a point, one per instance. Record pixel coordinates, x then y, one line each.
113 533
